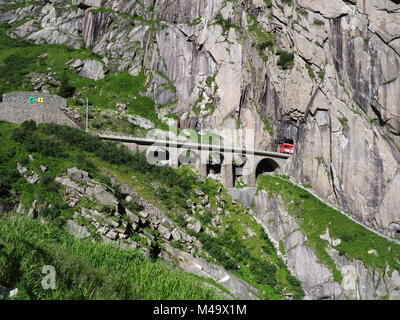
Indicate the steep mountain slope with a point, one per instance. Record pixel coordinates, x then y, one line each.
84 270
56 179
322 72
99 191
333 257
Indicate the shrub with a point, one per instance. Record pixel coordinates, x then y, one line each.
34 142
264 272
66 90
12 71
286 59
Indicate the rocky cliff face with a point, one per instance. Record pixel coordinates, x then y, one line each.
359 281
324 73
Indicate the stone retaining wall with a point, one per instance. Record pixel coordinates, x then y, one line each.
18 107
23 98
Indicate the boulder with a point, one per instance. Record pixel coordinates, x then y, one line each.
164 232
33 179
112 222
132 217
199 193
21 169
104 197
21 208
77 230
176 235
71 185
122 107
205 201
93 69
196 226
75 64
85 4
111 235
129 244
144 214
141 122
89 191
77 174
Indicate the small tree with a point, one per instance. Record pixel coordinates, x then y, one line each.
66 90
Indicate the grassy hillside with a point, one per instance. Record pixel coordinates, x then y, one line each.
315 217
239 244
84 269
19 58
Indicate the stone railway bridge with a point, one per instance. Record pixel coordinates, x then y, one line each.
229 162
222 160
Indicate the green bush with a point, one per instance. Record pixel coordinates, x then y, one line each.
66 90
34 142
12 71
264 272
286 59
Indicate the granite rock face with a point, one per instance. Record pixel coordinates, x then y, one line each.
336 96
359 282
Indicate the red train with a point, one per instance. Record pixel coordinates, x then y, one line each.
286 146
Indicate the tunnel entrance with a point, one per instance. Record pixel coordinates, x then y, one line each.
266 166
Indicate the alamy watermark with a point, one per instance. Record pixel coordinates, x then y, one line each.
49 279
226 146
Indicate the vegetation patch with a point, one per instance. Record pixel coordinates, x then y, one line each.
286 59
85 269
59 148
18 58
263 40
315 217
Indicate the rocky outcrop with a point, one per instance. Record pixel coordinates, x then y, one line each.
237 287
124 217
345 149
43 82
141 122
108 217
91 69
359 281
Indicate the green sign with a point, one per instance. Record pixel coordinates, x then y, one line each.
33 99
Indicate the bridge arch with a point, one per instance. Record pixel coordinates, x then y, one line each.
157 155
188 157
214 163
266 165
239 162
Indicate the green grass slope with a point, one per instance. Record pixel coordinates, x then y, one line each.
315 217
84 269
19 58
